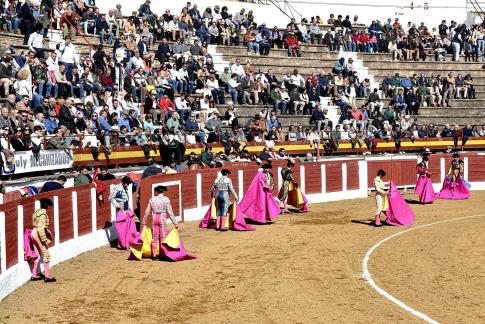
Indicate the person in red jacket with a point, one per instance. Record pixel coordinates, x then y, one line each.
107 80
364 39
167 106
358 116
292 44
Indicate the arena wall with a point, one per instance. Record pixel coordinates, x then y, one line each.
80 224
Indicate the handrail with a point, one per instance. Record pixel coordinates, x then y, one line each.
478 10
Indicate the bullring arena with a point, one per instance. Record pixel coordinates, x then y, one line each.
303 268
103 116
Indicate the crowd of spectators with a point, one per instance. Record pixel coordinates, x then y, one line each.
138 89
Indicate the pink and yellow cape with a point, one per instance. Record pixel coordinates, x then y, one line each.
172 246
235 220
296 198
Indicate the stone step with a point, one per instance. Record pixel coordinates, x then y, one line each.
379 75
456 120
329 59
478 113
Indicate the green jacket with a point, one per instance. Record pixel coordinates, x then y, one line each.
57 143
81 179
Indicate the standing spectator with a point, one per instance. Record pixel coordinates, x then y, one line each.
68 57
68 23
27 20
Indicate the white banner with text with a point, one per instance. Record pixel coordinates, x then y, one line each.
26 161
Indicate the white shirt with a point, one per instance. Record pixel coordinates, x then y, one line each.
233 83
190 139
212 84
117 110
136 63
68 53
181 103
90 139
52 64
35 138
238 69
297 80
35 41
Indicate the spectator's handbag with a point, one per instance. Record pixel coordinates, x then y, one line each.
36 151
51 77
95 153
146 151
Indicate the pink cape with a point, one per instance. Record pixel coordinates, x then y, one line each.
176 254
126 228
29 252
424 189
258 202
457 190
398 213
173 253
239 222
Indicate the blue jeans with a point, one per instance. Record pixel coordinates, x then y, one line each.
255 46
48 88
233 94
182 113
176 86
36 100
480 46
372 47
218 96
276 105
101 37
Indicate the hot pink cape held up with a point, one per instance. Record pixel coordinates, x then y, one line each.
258 203
398 213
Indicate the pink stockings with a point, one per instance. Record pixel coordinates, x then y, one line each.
159 233
221 223
35 266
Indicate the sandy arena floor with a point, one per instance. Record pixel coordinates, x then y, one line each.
305 268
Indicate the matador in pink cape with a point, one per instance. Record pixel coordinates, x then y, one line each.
40 238
454 186
162 209
424 187
258 202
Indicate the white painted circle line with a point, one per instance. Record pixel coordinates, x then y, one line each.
367 276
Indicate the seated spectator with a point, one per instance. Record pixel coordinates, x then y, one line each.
57 141
293 45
